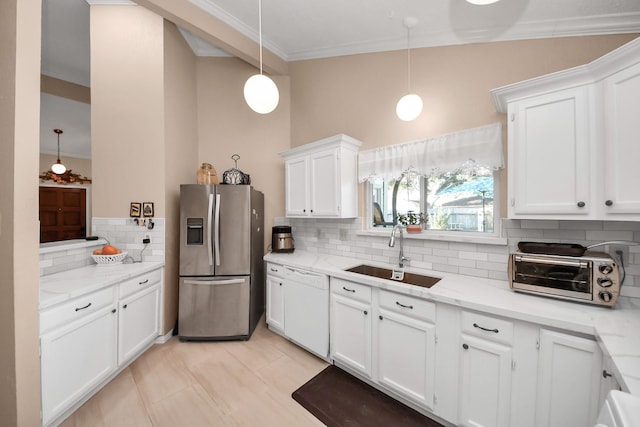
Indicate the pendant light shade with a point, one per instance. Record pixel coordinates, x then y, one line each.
58 168
260 92
410 106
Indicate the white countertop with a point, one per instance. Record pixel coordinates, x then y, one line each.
617 329
63 286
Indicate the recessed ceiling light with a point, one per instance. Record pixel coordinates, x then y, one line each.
482 2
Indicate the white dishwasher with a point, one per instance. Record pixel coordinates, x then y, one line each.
306 309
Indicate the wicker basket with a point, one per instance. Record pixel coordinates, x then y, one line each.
109 259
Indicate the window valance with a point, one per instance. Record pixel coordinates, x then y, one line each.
480 146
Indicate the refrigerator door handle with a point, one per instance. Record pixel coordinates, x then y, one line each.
217 241
209 243
214 282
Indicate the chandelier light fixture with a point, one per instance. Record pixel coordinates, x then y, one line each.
260 92
58 168
410 106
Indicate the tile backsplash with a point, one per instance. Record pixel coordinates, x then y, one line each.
344 237
123 233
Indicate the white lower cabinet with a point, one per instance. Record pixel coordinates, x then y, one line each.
351 333
406 352
87 340
275 297
75 358
569 369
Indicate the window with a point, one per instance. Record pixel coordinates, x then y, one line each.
448 181
460 201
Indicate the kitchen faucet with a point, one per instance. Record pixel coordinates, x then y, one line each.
392 243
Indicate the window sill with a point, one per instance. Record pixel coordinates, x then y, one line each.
443 237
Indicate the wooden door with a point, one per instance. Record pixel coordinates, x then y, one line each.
62 213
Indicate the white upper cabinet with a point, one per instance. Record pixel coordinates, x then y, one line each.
321 179
572 140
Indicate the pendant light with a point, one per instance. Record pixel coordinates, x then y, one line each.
410 106
260 92
58 168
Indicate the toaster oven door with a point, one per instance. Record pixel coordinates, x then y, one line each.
561 277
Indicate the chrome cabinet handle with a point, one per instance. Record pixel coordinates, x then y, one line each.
410 307
82 308
349 290
475 325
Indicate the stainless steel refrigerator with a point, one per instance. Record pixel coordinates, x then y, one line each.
221 294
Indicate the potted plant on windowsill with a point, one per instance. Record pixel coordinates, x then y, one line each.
413 221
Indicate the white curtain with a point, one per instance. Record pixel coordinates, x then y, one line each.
480 146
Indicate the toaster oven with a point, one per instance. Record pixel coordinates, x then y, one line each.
593 278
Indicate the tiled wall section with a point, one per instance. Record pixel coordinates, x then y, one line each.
340 237
120 232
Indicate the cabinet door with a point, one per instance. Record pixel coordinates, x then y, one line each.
75 359
351 333
275 303
325 183
485 383
569 369
406 356
621 148
297 186
549 155
139 322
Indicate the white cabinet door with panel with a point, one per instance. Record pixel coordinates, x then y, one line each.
321 178
620 196
139 322
569 372
406 356
75 358
351 325
275 297
549 152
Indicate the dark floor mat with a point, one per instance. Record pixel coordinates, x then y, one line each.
339 399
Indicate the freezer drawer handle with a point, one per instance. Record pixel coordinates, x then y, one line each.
213 282
82 308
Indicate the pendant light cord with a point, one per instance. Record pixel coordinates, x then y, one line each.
408 60
260 30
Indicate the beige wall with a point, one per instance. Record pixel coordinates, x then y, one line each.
357 94
79 166
19 118
127 111
227 126
181 152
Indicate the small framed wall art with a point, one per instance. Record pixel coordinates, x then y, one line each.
134 210
147 209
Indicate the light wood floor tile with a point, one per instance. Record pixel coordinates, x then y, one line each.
218 383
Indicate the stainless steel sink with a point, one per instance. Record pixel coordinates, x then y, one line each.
385 273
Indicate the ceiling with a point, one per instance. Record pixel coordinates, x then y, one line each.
296 30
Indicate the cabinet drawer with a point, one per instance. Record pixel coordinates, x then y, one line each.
275 269
75 309
487 327
139 282
351 290
411 306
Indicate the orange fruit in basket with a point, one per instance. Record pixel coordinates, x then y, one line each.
97 252
110 250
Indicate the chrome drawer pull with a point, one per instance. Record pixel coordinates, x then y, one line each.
410 307
349 290
475 325
82 308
